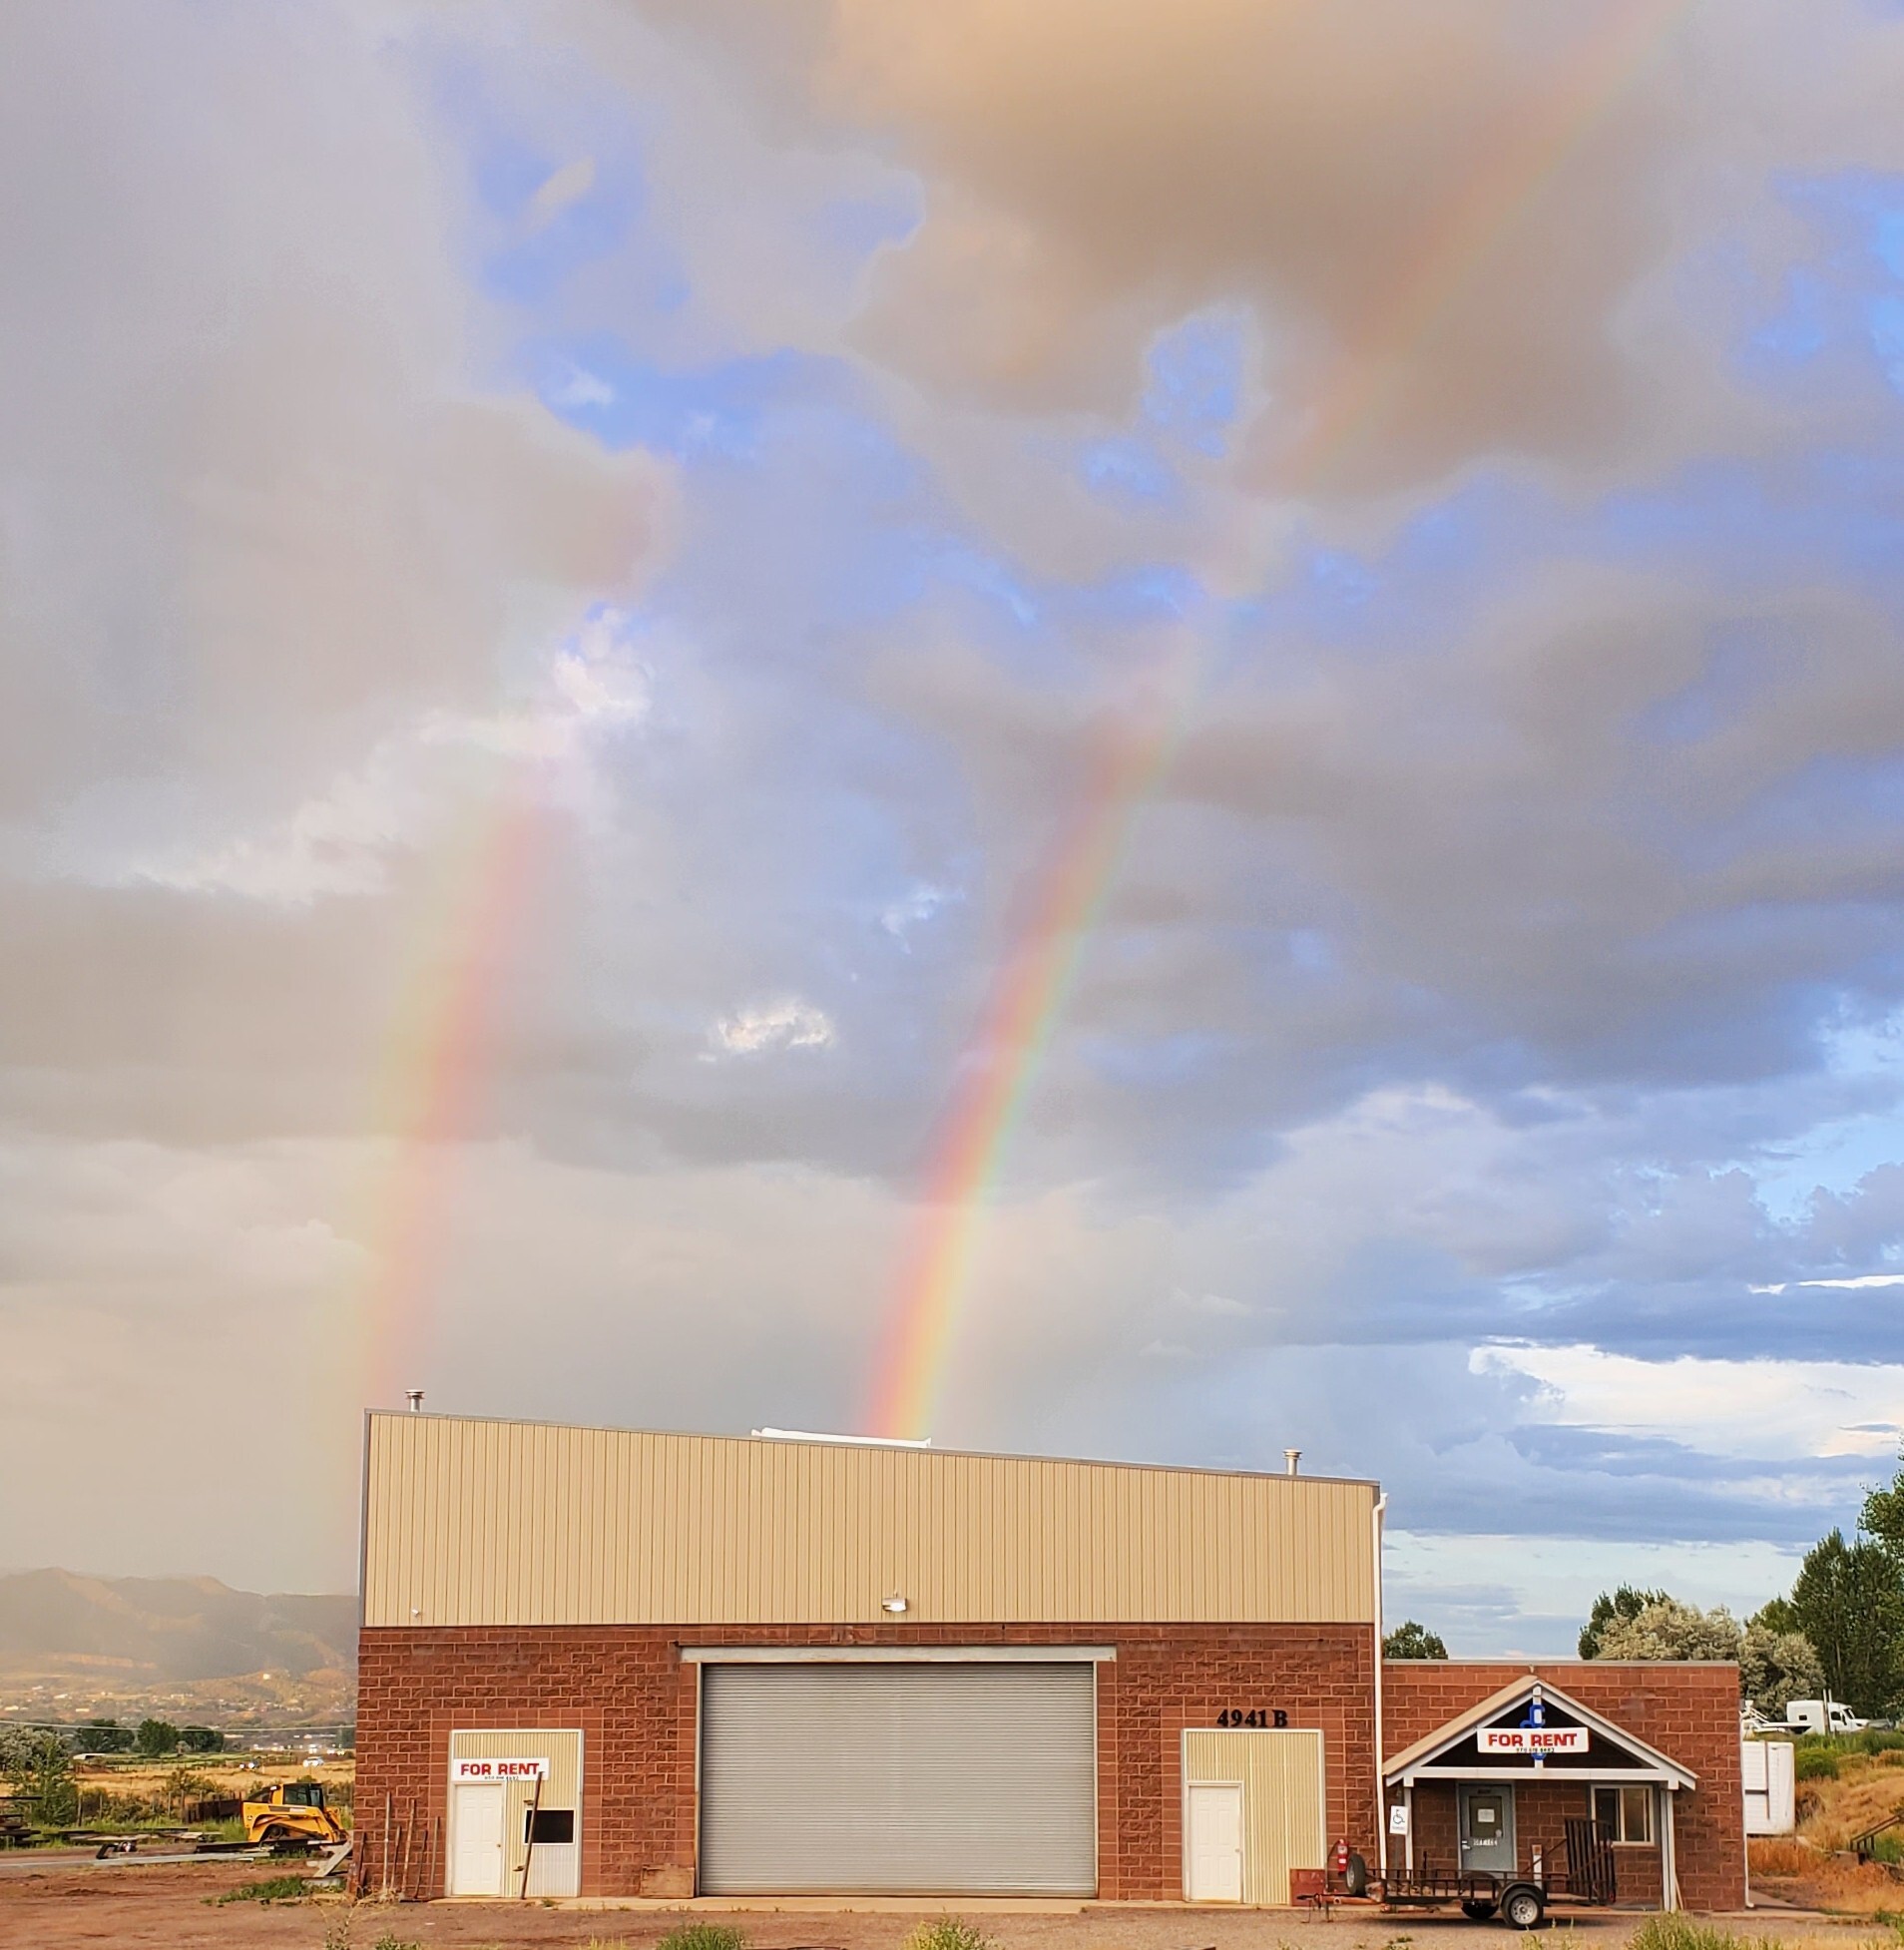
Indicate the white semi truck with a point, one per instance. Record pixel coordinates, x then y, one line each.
1824 1716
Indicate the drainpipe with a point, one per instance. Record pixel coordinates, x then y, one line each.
1381 1788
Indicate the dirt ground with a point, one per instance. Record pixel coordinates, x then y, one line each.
53 1903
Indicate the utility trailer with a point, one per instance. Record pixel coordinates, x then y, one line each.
1585 1877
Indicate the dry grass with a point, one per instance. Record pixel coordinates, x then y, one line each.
1808 1867
1775 1856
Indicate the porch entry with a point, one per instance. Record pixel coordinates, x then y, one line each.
1584 1776
1487 1829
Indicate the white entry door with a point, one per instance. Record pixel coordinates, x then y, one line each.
1215 1844
476 1857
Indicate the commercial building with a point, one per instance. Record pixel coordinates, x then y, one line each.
618 1663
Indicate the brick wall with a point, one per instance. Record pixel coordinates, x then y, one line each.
635 1701
1688 1712
1542 1809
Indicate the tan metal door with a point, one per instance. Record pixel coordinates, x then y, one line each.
898 1779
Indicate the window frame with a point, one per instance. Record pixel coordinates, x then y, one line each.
1620 1796
532 1816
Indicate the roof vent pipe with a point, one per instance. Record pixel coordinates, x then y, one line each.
415 1398
1291 1459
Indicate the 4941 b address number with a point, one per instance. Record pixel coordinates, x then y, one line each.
1253 1716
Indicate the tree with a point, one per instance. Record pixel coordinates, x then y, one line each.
1667 1629
1850 1600
1412 1641
103 1737
1626 1603
156 1737
39 1767
200 1739
1882 1518
1776 1667
1779 1615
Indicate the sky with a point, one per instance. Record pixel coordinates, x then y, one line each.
586 586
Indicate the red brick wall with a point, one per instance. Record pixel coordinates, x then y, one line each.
1689 1713
635 1701
1542 1809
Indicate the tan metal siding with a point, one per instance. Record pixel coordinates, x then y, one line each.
509 1523
1280 1773
550 1870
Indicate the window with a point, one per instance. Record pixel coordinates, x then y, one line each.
1625 1812
303 1794
548 1827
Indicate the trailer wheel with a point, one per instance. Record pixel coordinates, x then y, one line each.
1478 1912
1356 1877
1523 1907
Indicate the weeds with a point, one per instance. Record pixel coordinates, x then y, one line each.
949 1933
273 1889
704 1936
1678 1931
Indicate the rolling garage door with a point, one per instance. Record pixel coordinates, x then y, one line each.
898 1779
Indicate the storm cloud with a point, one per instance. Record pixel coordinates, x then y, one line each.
564 571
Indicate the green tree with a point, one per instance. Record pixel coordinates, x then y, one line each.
1626 1603
1776 1615
103 1737
1776 1667
200 1739
156 1737
38 1765
1412 1641
1882 1517
1850 1600
1667 1629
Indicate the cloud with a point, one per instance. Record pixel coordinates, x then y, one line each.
271 514
1857 1283
1369 181
756 459
789 1024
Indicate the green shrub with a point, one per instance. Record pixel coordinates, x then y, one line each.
948 1933
275 1889
1816 1764
1676 1931
704 1936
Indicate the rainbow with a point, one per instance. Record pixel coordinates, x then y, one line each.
1034 979
1021 1013
436 1062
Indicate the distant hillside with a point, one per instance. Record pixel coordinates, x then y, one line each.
168 1630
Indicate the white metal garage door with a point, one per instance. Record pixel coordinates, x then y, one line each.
927 1779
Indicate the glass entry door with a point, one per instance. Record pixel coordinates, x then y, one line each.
1487 1829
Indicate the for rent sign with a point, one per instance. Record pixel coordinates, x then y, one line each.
464 1770
1532 1740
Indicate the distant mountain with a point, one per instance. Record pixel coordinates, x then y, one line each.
169 1631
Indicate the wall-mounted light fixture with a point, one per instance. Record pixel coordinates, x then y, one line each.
895 1604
